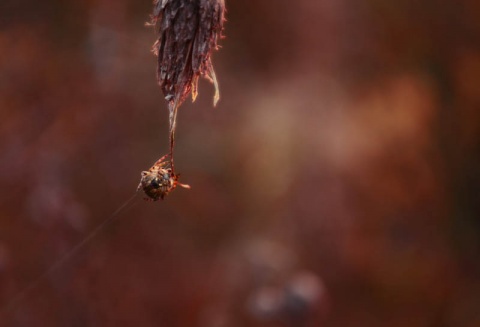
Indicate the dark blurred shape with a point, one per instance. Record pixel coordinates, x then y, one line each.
280 291
294 303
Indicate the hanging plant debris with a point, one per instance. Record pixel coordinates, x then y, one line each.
188 32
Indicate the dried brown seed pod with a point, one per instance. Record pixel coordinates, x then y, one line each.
188 32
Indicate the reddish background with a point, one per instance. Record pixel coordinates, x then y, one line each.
343 156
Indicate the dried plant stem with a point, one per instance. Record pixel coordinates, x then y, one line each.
173 109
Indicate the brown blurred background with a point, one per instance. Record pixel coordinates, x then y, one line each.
337 183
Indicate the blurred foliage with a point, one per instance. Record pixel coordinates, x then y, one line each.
337 182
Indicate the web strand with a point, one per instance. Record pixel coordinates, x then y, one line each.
12 305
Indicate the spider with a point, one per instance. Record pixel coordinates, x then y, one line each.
159 180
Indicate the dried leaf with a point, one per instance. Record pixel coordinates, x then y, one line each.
188 32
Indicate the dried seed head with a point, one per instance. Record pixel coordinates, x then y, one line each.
188 32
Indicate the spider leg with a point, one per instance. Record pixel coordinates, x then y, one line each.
184 185
162 161
140 186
